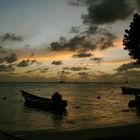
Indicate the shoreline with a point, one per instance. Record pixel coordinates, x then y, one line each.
129 132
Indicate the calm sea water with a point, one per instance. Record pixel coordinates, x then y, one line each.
84 109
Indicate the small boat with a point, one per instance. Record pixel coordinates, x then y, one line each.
135 102
55 103
130 90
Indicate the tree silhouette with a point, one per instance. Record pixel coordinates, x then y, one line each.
131 39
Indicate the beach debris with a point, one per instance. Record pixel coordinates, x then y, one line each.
77 107
98 97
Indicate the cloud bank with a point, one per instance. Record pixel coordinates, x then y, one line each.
11 37
107 11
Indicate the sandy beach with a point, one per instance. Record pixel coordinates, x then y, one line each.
130 132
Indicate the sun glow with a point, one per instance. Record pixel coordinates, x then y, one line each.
65 55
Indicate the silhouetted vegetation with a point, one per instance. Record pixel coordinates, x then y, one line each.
131 39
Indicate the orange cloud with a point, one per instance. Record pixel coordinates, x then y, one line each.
118 43
49 56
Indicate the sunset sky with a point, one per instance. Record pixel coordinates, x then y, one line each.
41 38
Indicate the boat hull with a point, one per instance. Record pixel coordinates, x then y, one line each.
43 103
130 90
135 102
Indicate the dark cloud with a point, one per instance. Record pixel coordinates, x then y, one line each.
100 72
44 70
82 54
94 37
25 63
97 59
6 68
75 29
59 62
11 58
97 31
76 2
32 54
76 43
107 11
84 75
78 68
80 43
10 37
128 66
58 46
62 40
33 61
103 38
92 29
66 68
91 39
106 41
30 71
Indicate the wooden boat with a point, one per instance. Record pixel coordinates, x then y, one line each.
130 90
44 103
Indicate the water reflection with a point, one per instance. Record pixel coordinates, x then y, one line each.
39 109
138 111
37 117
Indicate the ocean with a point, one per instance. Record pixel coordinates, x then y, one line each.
84 111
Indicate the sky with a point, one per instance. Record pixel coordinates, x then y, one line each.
41 38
